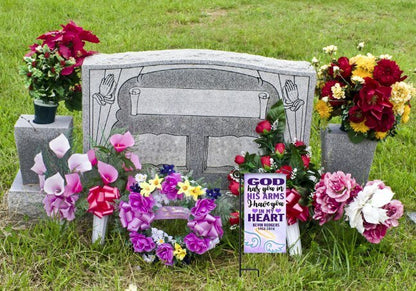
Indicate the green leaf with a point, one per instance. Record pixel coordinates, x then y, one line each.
355 138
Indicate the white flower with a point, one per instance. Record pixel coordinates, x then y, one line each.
387 57
213 243
293 174
309 150
261 170
315 61
275 124
55 185
148 258
140 178
79 163
357 80
331 49
360 46
325 99
243 153
160 199
60 145
367 205
335 69
132 287
338 92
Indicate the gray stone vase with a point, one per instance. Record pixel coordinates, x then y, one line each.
338 153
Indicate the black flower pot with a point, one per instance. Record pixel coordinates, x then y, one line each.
44 112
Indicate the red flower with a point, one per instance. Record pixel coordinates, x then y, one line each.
263 127
306 160
287 170
279 148
355 114
344 66
299 143
380 121
265 161
239 159
234 218
234 187
373 97
387 72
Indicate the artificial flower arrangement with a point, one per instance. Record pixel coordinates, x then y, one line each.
368 93
291 159
103 173
52 68
170 195
369 209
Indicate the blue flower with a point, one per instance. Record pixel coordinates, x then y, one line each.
135 188
167 169
213 193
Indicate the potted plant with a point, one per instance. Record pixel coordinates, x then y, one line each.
369 95
52 70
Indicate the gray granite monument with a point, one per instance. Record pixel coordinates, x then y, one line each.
196 109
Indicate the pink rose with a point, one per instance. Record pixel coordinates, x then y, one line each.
165 253
265 161
141 243
202 208
195 244
263 127
279 148
239 159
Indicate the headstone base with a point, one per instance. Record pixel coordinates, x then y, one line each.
412 216
25 199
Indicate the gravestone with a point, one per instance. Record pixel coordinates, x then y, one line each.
196 109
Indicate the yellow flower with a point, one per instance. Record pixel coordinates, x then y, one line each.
184 188
337 91
179 252
146 189
401 93
196 191
324 109
364 65
157 182
381 134
406 113
359 127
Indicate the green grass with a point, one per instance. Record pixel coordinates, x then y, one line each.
44 256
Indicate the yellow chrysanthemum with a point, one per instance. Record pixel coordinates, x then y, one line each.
406 113
401 93
196 191
364 65
359 127
324 109
157 182
179 252
381 134
146 189
184 188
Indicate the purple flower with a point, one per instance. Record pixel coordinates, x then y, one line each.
208 227
141 243
195 244
165 253
140 203
169 186
202 208
133 220
61 206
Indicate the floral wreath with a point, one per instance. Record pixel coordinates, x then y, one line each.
170 196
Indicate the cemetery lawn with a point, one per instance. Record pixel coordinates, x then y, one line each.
45 255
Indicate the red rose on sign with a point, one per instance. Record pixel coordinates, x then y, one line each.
234 218
263 127
306 160
265 161
287 170
387 72
234 187
239 159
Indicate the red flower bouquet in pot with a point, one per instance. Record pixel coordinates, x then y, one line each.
367 92
53 67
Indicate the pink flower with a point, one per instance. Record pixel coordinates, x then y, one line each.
121 142
107 172
203 207
195 244
306 160
39 167
60 206
285 169
299 143
265 161
60 145
79 163
374 232
239 159
91 157
280 148
141 243
133 220
135 160
169 186
394 212
73 184
209 227
54 185
165 253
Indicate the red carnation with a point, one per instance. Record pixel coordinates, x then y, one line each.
263 127
299 143
234 218
306 160
239 159
287 170
380 121
387 72
234 187
265 161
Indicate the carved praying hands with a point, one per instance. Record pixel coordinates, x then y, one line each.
106 90
291 96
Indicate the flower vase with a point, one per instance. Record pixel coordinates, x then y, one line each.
338 153
45 112
293 239
99 228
